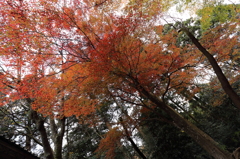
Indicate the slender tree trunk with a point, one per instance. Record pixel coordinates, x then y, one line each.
28 143
28 139
136 148
48 152
205 141
57 136
132 142
40 126
67 138
218 71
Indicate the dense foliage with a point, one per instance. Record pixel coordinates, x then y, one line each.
105 79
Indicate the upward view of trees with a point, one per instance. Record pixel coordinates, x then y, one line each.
103 79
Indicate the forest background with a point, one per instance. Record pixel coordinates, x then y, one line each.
107 79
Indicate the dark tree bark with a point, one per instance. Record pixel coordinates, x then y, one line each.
39 121
57 136
218 71
28 138
204 140
43 133
132 142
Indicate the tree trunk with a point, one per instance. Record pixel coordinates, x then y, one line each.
218 71
135 147
40 126
57 136
205 141
28 143
28 138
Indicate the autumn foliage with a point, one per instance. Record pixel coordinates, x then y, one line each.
70 58
54 54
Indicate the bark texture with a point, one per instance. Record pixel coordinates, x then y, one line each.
218 71
132 142
204 140
43 133
57 136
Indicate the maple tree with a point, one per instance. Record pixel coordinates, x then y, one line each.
69 58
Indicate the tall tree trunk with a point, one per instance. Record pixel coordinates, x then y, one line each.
28 143
43 133
218 71
28 138
132 142
57 136
205 141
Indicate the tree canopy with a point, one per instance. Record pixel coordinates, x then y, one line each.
72 58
